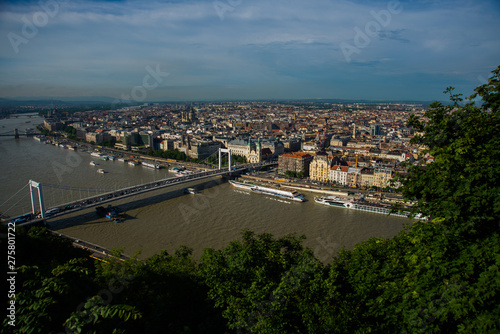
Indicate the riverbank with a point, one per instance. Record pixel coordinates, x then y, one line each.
351 194
129 155
312 188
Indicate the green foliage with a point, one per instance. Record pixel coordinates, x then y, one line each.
70 131
294 174
45 298
175 154
109 143
258 282
462 186
66 291
422 281
167 292
48 246
96 315
235 159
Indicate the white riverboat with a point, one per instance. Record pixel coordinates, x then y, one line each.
272 191
151 165
331 201
176 169
362 205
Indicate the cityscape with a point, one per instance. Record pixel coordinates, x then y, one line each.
312 140
232 166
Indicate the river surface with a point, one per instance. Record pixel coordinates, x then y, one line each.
165 219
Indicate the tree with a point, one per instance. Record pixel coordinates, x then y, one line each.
261 283
462 187
165 291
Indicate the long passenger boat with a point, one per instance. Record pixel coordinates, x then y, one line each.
260 189
151 165
362 206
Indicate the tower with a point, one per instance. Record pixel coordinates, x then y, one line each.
259 151
249 147
38 186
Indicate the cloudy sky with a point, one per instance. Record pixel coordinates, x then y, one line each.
246 49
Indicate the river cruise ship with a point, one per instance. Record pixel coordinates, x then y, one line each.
266 190
361 205
151 165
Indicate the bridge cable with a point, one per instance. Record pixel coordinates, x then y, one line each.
14 195
8 133
22 198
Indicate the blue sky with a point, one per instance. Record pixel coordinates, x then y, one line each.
242 49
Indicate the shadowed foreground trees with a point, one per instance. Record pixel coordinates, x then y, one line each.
439 276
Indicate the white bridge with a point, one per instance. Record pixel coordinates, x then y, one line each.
39 210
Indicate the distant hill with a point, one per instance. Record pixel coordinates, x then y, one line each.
59 101
106 100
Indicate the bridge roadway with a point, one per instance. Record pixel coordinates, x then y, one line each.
135 190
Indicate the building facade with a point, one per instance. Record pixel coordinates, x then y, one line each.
382 177
295 162
319 170
367 178
338 174
252 149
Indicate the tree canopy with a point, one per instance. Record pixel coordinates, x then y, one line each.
461 187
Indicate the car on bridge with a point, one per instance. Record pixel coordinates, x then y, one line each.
52 212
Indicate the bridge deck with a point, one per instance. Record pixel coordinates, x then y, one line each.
100 199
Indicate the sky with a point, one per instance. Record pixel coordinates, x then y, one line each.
247 49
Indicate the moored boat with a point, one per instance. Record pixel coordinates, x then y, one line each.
331 201
362 205
151 165
267 190
176 169
191 191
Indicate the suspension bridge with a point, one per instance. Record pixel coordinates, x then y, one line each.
90 197
16 134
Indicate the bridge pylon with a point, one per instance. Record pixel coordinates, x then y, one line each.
16 134
224 150
38 186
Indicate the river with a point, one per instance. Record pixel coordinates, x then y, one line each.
165 219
